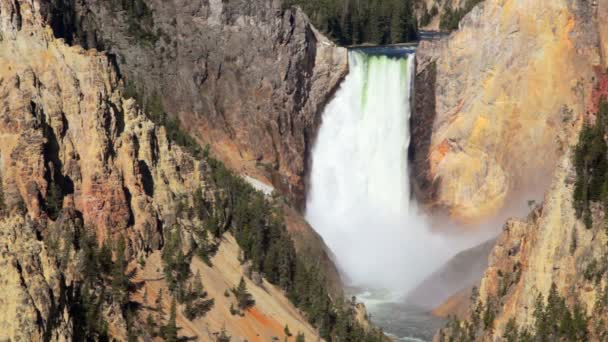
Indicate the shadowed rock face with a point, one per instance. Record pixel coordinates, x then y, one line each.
249 77
512 80
421 123
64 123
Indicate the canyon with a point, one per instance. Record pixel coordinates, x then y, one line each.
118 116
530 86
196 56
79 158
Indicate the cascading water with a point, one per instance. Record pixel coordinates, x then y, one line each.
359 198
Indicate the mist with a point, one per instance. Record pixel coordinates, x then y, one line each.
359 196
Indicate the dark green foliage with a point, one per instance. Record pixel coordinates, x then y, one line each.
300 337
351 22
202 208
428 15
489 314
86 306
233 311
256 224
120 281
573 241
591 164
59 240
223 336
243 297
595 270
140 19
54 200
105 258
511 333
347 329
205 249
102 283
335 320
555 321
99 282
451 17
169 331
3 208
159 303
176 265
196 303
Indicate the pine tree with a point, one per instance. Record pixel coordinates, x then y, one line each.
488 315
120 282
554 310
170 330
540 318
511 333
373 24
223 336
244 298
105 258
579 323
3 209
198 285
159 303
54 200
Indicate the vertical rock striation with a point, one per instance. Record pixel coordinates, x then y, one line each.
249 77
75 154
511 80
550 246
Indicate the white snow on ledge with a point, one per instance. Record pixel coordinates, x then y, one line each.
259 185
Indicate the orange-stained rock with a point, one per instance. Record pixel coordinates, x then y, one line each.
508 87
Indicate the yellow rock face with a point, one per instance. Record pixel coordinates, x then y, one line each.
265 320
62 116
509 87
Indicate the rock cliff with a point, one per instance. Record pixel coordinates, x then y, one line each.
248 77
511 80
549 247
547 269
78 159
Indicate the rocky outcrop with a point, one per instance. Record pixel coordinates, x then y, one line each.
77 157
511 80
549 254
550 247
248 77
29 282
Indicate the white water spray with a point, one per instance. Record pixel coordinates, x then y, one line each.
359 198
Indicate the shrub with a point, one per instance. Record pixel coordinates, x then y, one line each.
244 298
591 164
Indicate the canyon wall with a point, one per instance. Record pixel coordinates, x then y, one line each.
76 157
512 89
248 77
511 80
549 247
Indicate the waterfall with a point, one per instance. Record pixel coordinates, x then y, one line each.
359 196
